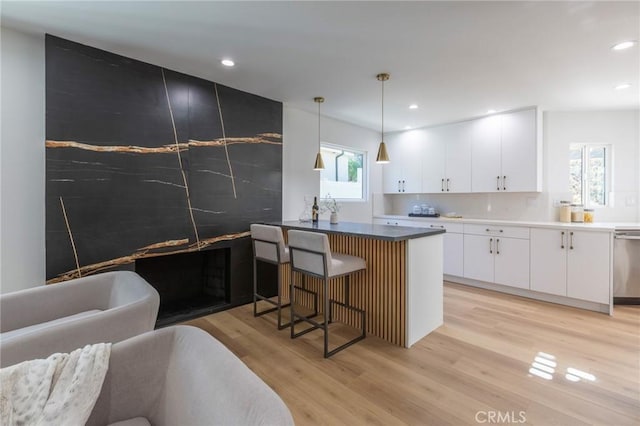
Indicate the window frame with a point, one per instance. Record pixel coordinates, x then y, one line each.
585 175
365 173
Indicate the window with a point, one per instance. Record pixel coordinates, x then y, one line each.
344 173
590 174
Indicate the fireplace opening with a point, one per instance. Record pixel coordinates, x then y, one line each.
190 284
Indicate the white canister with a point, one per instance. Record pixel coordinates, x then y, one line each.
565 211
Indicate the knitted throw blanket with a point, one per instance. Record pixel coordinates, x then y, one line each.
59 390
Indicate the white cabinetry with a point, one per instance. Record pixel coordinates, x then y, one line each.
571 263
394 222
497 254
505 153
498 153
403 174
446 159
453 244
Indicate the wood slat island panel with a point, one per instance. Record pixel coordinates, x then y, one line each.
380 289
383 290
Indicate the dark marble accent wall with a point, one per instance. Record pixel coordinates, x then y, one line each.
143 160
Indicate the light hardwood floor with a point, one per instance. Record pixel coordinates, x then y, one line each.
473 369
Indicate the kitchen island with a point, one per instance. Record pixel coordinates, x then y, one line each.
401 289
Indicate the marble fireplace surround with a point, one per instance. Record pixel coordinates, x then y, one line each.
142 161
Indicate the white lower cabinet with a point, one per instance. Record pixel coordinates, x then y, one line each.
452 241
394 222
496 257
478 257
512 262
453 254
565 262
549 261
571 263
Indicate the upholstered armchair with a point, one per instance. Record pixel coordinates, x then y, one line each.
107 307
183 376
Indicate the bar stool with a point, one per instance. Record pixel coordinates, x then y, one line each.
268 246
311 255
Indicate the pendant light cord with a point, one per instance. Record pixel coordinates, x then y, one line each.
319 126
382 119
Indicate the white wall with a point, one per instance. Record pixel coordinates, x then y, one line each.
300 145
618 128
560 129
22 161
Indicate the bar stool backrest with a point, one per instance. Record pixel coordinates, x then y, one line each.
310 252
268 243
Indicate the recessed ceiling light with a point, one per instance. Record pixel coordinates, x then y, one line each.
413 106
227 62
623 86
407 127
624 45
491 111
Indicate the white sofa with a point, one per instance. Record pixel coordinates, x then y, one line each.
107 307
183 376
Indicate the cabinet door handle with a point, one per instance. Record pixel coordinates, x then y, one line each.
436 226
562 240
403 186
504 183
399 190
571 240
498 183
442 185
491 245
448 181
493 230
497 245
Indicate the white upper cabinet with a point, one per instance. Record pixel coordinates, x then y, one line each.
433 155
485 154
446 159
498 153
458 158
505 153
403 174
520 162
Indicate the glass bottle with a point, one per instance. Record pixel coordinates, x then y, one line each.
315 210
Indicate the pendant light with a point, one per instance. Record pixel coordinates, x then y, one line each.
319 164
383 156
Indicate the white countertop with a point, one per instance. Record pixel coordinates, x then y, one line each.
596 226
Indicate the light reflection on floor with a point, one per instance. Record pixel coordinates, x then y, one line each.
544 365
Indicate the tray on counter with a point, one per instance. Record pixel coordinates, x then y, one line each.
424 215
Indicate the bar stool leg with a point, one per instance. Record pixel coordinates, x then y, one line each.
292 301
258 297
346 305
255 288
325 312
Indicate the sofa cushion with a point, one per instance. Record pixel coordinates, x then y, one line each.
24 330
136 421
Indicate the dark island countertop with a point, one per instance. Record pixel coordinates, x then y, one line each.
363 230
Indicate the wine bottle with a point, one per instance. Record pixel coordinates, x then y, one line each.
315 210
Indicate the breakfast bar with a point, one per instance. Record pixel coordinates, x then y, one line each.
401 288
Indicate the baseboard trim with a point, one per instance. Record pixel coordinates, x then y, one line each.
531 294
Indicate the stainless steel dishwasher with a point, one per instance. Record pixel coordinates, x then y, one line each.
626 267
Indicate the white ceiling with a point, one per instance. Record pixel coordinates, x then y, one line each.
454 59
